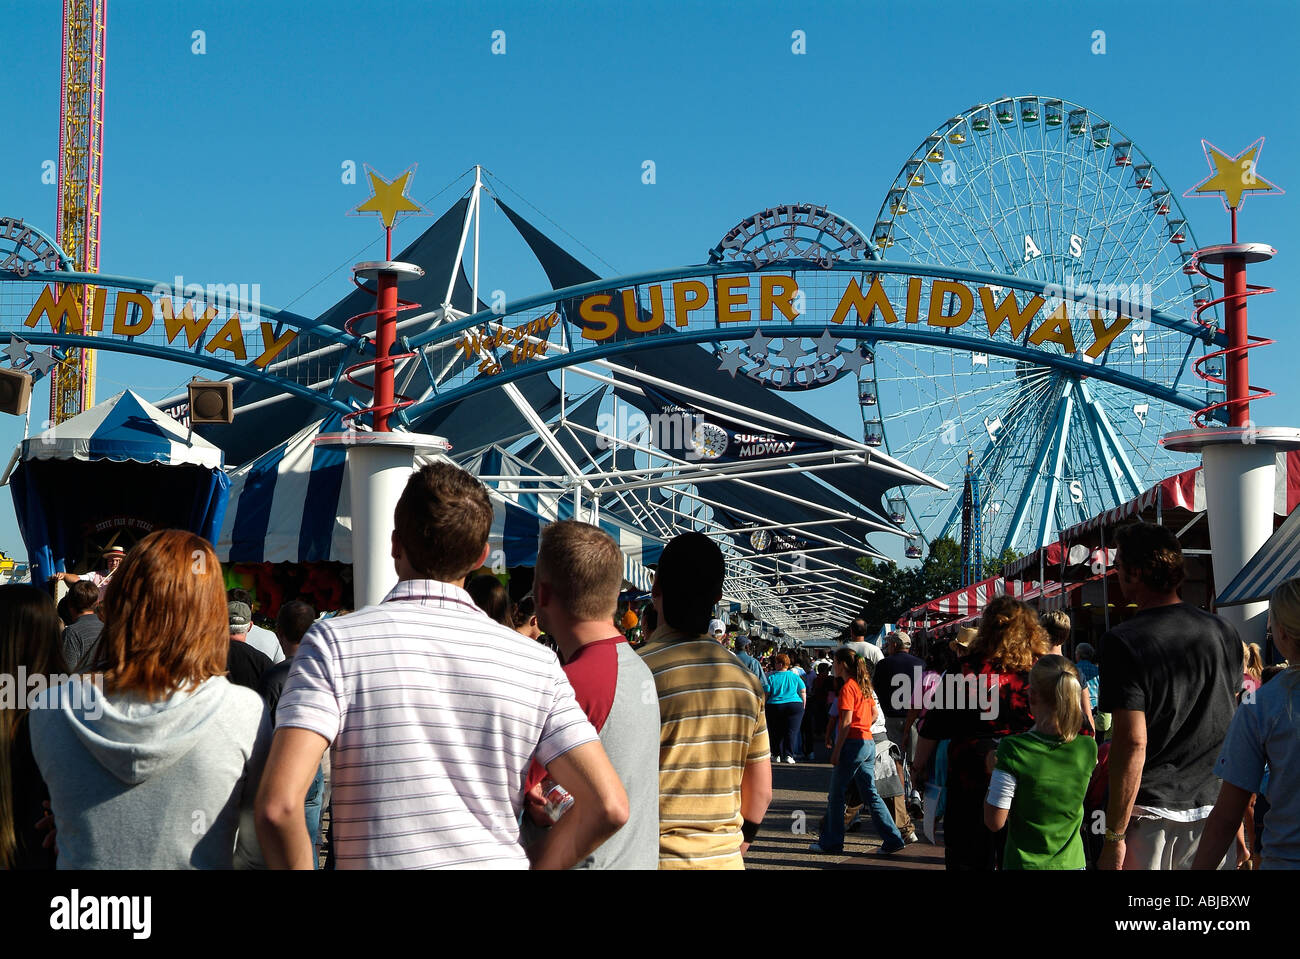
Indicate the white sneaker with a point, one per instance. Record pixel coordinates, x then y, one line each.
789 760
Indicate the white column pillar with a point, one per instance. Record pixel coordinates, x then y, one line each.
1240 479
379 464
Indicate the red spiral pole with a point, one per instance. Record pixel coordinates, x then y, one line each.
1236 357
384 364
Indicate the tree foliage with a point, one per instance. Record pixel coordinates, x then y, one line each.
993 565
902 587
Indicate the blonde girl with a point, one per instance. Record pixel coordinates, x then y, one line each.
1040 777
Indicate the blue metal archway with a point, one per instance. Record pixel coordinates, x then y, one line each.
663 323
215 327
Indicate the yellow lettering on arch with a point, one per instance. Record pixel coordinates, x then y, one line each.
120 325
229 337
777 290
607 321
733 291
66 311
1105 335
965 303
1009 311
194 328
863 304
688 295
272 345
1055 329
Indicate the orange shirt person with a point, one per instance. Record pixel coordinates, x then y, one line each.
854 759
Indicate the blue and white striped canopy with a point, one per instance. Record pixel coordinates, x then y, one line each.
1276 561
123 428
292 505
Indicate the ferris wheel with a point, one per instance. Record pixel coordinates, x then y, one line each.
1047 190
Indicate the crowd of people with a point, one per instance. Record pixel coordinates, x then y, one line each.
448 726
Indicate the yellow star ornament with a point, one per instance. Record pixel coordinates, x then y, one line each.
1233 176
389 197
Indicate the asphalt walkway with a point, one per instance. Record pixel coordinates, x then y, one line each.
798 804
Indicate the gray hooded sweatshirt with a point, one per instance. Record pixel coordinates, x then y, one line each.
152 785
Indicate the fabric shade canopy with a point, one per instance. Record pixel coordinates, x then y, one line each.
121 467
123 429
1276 561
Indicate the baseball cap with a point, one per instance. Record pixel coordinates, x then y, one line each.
717 628
241 614
742 642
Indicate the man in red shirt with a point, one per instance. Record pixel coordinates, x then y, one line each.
576 585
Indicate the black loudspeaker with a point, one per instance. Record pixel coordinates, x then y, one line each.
212 402
15 392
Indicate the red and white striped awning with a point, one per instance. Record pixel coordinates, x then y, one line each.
1186 492
967 601
1048 556
1182 496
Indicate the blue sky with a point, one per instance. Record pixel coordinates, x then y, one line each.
225 167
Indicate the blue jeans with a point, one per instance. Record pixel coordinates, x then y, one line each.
857 762
315 793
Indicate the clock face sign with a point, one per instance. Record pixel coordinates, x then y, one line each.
760 539
709 441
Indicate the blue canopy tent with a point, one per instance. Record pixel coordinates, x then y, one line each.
292 505
108 477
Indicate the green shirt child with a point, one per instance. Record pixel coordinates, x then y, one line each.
1042 779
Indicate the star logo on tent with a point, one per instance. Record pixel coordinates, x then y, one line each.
388 197
1233 176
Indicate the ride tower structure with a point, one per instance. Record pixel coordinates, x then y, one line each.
972 533
80 186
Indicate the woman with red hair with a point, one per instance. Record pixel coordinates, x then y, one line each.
155 763
975 706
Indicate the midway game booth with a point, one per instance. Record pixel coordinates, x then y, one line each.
109 477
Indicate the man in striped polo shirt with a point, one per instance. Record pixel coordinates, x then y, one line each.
715 773
433 713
